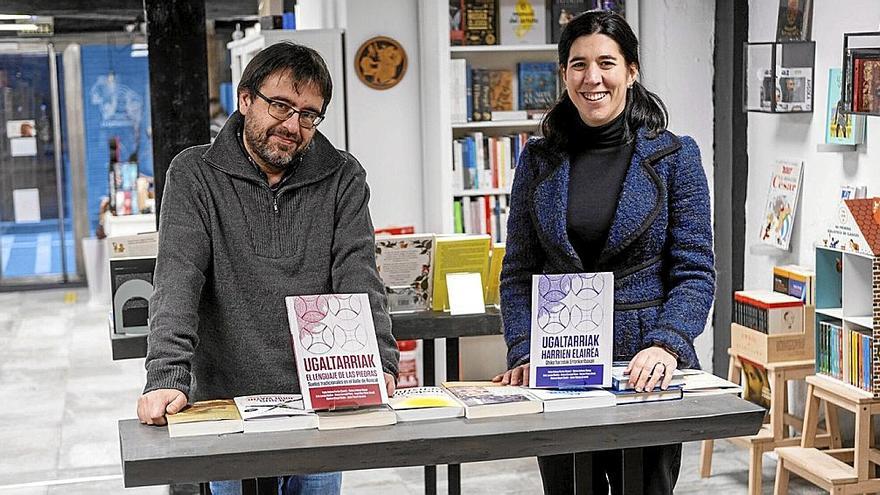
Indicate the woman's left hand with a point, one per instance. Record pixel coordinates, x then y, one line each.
651 366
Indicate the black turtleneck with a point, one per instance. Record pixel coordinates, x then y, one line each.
599 162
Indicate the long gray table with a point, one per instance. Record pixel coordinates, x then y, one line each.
150 457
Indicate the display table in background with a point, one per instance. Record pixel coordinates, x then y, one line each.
150 457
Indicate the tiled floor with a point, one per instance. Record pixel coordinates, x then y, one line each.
63 395
28 254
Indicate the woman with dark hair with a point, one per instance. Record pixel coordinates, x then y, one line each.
608 188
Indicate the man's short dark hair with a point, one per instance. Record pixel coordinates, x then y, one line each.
303 64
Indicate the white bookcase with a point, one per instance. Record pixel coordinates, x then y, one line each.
438 130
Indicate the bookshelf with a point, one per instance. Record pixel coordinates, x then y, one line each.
439 130
847 299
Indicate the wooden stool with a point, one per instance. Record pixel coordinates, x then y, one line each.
840 471
775 432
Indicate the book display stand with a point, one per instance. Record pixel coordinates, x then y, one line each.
861 58
775 432
779 76
839 470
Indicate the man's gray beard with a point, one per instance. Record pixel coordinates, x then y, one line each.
264 151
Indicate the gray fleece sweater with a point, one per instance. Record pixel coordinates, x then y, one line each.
231 249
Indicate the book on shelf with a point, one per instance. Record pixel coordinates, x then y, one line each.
457 254
500 91
841 127
509 115
632 397
537 85
459 80
493 280
572 330
794 86
768 312
479 22
456 22
336 352
207 417
620 378
405 263
781 205
845 353
556 400
482 91
395 230
793 23
699 382
490 399
756 388
274 412
423 403
563 11
522 22
796 281
866 83
376 415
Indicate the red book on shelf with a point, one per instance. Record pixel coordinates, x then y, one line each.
397 230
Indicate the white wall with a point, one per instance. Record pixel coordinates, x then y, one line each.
779 136
677 40
384 127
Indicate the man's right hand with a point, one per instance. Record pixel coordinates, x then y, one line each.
155 404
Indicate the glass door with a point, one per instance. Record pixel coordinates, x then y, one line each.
36 244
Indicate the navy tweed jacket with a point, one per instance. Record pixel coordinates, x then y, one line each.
659 246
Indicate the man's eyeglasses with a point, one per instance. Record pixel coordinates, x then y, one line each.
282 111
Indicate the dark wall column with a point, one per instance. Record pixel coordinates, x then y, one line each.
178 81
731 167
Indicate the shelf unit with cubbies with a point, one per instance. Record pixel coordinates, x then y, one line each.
846 300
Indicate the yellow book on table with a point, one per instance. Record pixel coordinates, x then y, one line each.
458 254
493 281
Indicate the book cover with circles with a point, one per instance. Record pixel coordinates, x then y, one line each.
337 356
572 330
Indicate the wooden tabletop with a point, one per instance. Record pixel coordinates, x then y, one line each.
150 457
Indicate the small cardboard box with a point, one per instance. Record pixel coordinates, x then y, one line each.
765 349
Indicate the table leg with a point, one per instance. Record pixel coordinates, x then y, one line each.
832 425
430 480
811 418
453 471
583 473
633 471
756 456
777 404
430 380
861 462
781 487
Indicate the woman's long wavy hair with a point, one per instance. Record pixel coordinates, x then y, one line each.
643 108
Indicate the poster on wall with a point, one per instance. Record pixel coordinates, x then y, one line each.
781 206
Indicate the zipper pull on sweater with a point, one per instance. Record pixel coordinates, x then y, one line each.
275 203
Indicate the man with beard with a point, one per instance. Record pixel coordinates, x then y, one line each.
269 209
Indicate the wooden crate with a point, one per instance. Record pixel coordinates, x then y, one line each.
764 349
